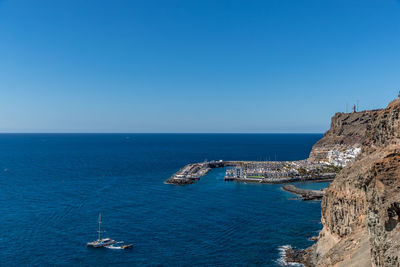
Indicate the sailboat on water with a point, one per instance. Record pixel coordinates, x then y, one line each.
101 242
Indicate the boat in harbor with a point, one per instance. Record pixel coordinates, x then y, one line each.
101 242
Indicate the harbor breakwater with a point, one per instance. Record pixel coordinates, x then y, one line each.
305 194
192 172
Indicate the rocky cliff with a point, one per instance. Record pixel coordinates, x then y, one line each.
361 207
348 131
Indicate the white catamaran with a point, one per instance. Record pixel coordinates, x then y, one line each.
100 242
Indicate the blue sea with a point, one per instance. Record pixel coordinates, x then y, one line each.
53 186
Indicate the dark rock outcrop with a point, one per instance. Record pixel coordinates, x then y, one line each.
179 181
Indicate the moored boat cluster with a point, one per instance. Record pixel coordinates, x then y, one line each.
258 171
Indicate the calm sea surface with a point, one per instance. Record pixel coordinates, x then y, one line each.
52 187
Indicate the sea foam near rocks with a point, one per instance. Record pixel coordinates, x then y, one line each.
282 261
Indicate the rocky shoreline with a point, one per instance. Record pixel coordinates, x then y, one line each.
361 208
174 181
295 256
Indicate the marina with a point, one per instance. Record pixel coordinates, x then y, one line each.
304 194
273 172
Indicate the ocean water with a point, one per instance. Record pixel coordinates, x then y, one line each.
52 187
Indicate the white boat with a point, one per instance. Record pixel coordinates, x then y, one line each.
100 242
120 246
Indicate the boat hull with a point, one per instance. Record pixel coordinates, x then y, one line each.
101 243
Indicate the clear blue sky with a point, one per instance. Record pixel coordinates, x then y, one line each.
193 66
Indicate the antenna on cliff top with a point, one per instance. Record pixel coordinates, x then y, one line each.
347 105
358 105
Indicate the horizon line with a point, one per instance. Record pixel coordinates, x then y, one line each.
161 133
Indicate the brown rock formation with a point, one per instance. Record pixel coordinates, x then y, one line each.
347 130
361 208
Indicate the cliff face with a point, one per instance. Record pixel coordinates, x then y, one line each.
348 130
383 209
361 207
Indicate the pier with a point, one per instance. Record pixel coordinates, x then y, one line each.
304 194
192 172
272 172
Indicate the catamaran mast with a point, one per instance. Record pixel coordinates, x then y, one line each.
99 225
